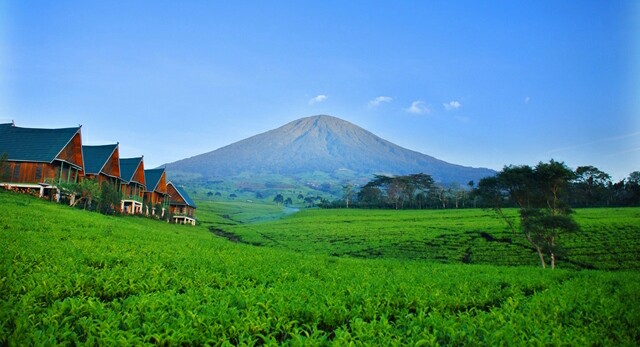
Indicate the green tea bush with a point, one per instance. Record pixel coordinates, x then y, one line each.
76 278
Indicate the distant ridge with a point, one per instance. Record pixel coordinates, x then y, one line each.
323 144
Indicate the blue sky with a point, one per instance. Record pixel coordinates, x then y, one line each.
473 83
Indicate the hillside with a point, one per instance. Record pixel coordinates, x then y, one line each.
323 144
71 277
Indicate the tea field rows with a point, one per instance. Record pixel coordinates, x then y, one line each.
609 238
74 277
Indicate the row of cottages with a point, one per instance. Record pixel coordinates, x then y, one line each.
42 159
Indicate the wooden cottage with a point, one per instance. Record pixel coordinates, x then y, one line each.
180 205
39 159
156 193
133 185
102 163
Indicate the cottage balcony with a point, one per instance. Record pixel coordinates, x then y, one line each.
131 204
183 219
183 214
132 197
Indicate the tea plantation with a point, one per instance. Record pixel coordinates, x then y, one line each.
609 238
74 277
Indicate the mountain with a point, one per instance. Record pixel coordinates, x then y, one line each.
320 144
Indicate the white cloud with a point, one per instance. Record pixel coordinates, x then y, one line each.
418 107
452 105
527 100
318 99
377 101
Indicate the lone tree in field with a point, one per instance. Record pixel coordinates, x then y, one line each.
347 189
540 195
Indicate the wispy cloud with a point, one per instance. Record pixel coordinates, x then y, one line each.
632 150
595 142
318 99
379 100
452 105
418 107
527 100
462 119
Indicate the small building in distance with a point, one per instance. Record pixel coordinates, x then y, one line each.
39 159
102 163
156 192
180 205
133 184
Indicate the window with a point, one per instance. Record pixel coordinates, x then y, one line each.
39 172
16 172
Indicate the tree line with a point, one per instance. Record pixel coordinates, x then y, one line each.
586 186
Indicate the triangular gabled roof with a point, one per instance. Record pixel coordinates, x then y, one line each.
183 195
128 169
152 178
35 144
97 157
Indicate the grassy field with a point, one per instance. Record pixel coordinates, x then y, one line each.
74 277
609 238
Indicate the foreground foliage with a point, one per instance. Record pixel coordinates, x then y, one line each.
73 277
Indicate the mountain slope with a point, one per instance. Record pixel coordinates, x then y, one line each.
320 144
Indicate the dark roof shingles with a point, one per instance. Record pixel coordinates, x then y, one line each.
128 168
34 144
184 195
95 157
152 178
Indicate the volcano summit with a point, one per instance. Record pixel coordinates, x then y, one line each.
322 144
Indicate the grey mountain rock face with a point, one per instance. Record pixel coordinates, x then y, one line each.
321 144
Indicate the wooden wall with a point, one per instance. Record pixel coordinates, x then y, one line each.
182 210
112 167
73 151
30 172
138 176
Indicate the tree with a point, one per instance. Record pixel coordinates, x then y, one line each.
347 189
310 200
209 195
398 190
279 199
540 195
553 215
288 202
87 191
632 189
470 185
395 190
370 196
591 186
110 198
